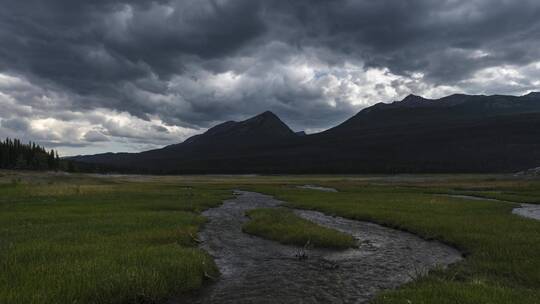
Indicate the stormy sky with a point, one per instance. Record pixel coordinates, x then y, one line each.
115 75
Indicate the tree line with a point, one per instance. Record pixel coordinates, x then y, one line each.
20 156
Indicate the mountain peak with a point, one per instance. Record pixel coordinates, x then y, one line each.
411 98
533 94
260 128
411 95
266 122
265 115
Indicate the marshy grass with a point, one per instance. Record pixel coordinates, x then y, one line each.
95 243
502 260
84 239
283 226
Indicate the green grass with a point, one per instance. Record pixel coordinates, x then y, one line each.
129 239
284 226
101 242
502 250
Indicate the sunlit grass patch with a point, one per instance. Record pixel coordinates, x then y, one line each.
284 226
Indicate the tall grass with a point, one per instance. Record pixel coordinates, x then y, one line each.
284 226
91 243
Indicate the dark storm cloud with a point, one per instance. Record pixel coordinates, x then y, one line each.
435 37
196 62
92 47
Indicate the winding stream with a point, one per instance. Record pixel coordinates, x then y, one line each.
255 270
526 210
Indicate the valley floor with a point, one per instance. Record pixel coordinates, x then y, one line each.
115 239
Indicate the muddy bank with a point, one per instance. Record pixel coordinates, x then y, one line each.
526 210
255 270
319 188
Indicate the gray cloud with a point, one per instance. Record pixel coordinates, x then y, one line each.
438 38
95 136
189 64
16 124
160 129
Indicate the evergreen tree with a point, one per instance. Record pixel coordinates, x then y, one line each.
31 156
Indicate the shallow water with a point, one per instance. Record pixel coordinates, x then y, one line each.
526 210
320 188
475 198
255 270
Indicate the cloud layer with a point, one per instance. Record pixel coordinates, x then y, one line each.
89 76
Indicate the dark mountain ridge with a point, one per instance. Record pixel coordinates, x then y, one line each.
457 133
261 129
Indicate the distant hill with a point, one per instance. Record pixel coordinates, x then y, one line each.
457 133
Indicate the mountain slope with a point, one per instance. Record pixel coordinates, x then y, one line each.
227 138
259 130
457 133
454 108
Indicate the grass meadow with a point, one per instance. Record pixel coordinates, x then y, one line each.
132 239
101 241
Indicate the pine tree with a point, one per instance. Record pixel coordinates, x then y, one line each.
16 155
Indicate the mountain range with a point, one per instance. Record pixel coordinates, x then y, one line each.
457 133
